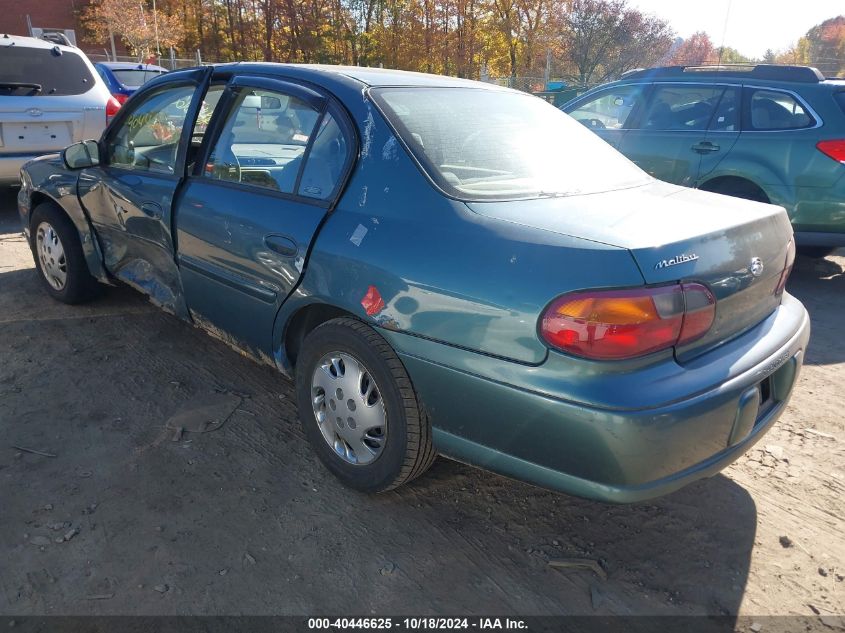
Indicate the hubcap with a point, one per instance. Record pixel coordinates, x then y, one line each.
348 407
51 254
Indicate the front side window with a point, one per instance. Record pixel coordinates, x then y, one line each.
774 110
681 107
482 144
263 140
148 138
610 109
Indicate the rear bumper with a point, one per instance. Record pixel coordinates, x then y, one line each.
619 437
817 214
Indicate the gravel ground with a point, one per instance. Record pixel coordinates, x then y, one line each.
124 519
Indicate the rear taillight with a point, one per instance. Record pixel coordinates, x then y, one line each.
619 324
112 106
121 98
787 267
834 149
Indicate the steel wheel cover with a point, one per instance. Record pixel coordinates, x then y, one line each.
348 408
51 254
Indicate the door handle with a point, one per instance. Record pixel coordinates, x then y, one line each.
281 244
705 147
151 209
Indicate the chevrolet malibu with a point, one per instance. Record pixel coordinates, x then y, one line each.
437 276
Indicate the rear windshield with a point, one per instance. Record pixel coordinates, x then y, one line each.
485 144
42 71
132 77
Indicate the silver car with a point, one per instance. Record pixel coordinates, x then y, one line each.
50 97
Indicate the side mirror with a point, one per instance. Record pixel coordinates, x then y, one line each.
81 155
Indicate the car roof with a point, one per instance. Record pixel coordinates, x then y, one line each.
372 77
730 72
8 39
130 66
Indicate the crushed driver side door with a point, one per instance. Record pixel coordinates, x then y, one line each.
129 195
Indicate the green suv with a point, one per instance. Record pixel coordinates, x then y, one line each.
768 133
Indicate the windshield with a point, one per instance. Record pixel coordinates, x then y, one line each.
42 71
133 77
485 144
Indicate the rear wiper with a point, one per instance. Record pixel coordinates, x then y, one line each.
15 85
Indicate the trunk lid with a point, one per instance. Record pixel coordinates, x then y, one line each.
736 247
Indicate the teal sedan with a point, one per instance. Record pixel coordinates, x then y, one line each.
435 274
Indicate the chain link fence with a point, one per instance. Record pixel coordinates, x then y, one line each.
170 63
540 88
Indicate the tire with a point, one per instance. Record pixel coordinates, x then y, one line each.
60 263
738 189
815 252
347 354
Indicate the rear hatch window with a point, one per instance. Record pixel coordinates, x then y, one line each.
42 71
134 77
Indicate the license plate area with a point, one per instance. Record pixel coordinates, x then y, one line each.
37 135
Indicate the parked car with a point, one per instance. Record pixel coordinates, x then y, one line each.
437 276
50 97
124 78
767 133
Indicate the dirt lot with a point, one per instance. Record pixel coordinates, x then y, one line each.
244 520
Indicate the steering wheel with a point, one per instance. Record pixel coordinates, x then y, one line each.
593 124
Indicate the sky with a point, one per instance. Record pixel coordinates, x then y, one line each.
752 25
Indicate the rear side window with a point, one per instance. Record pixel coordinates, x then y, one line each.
42 71
774 110
726 116
682 107
840 99
326 161
263 141
610 109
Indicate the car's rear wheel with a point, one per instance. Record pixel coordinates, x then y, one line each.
58 256
737 188
359 409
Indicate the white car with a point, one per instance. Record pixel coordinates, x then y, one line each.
50 97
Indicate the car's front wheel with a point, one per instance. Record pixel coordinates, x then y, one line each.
359 409
58 256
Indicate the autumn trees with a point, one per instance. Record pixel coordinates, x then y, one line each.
601 39
143 31
823 47
586 41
